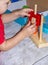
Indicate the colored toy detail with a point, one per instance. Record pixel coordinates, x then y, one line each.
25 6
14 1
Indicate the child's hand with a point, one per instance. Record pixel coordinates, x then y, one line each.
28 30
24 12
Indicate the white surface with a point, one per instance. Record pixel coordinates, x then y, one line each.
17 5
11 29
25 53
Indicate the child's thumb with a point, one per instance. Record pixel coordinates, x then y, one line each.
28 24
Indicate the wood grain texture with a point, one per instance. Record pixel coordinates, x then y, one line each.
42 4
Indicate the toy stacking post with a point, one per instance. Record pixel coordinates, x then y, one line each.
35 12
41 28
38 38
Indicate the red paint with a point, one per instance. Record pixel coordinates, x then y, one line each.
31 15
37 16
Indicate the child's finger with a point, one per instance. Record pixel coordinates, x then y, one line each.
35 32
26 14
28 10
32 25
28 24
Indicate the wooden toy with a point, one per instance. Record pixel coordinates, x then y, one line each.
38 37
35 16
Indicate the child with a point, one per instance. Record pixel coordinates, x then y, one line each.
28 30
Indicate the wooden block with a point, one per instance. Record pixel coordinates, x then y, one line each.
37 16
38 19
31 15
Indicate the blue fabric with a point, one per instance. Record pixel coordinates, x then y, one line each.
14 1
8 12
22 20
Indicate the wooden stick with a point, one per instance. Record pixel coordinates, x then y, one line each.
41 28
35 10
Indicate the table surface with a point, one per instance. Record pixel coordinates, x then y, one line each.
25 53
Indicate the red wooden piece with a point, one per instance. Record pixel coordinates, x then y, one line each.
38 19
37 16
31 15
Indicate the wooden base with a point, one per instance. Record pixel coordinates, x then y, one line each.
38 43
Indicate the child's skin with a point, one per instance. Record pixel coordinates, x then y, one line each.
27 31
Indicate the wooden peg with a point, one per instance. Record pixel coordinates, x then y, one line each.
35 10
41 28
